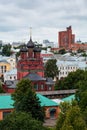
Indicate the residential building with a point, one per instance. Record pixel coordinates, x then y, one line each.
10 75
10 59
65 67
66 38
4 67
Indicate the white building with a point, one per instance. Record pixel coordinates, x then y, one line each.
12 62
69 65
10 75
65 68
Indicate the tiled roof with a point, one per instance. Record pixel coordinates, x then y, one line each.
7 103
49 80
34 77
11 84
46 101
69 98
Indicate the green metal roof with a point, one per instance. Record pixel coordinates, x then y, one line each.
69 98
46 101
6 102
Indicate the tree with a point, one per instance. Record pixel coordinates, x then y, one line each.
26 100
62 51
81 97
80 50
1 89
51 69
71 119
70 82
20 121
6 50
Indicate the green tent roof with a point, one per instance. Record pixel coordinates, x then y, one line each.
69 98
46 101
7 103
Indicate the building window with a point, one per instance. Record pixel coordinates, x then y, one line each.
6 113
42 87
14 77
49 87
1 67
36 86
5 67
10 77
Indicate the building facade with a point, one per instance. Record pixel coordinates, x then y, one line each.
11 61
65 68
66 38
31 66
51 108
10 75
4 67
30 61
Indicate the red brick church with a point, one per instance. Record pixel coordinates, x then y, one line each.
30 61
30 65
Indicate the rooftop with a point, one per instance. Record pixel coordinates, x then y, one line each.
46 101
6 101
34 77
69 98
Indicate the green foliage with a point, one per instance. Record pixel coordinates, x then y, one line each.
81 94
44 48
1 89
80 50
25 100
62 51
51 69
71 81
17 54
20 121
71 119
84 54
81 97
6 50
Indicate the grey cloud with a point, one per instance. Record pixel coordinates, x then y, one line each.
21 14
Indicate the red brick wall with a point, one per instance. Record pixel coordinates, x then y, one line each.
66 38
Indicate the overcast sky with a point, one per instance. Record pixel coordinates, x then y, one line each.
46 17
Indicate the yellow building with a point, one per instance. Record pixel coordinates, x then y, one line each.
4 67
